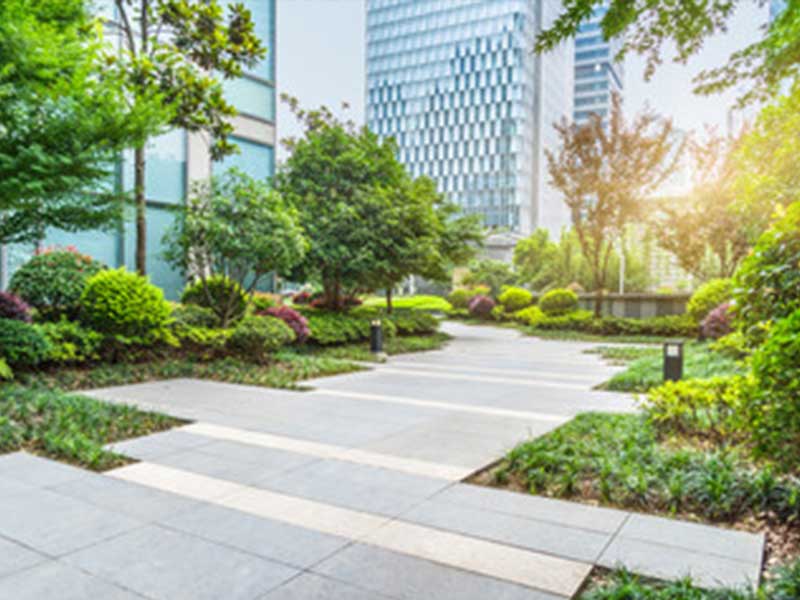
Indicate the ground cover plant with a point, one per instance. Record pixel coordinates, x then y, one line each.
70 427
392 346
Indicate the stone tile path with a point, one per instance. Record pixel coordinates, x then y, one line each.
350 491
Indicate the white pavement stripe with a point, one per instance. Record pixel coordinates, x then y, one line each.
402 364
478 378
451 406
354 455
525 567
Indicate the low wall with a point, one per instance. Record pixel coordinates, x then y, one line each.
638 306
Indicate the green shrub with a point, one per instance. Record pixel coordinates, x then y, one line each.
193 315
206 340
498 313
767 284
219 293
579 320
23 344
413 322
708 297
342 328
6 372
733 345
773 412
418 302
71 343
584 321
126 307
53 281
256 337
515 298
529 316
261 301
459 298
559 302
699 407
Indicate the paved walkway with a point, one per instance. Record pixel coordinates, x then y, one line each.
347 492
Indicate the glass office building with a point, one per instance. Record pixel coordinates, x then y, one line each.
597 74
456 84
175 160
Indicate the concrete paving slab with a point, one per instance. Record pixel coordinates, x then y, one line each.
158 444
309 586
14 557
164 565
54 579
35 471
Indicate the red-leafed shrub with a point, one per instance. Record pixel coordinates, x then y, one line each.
297 322
14 307
718 322
481 307
302 297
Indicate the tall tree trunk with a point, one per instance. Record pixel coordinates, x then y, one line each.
141 209
388 300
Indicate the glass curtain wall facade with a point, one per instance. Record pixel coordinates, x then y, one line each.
174 160
455 83
597 74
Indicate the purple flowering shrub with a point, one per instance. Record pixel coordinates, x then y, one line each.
14 307
296 322
481 307
717 323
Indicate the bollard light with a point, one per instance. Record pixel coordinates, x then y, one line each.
376 337
673 360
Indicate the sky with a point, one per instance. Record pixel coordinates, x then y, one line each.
321 56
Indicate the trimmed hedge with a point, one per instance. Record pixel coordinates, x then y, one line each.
584 321
559 302
515 298
256 337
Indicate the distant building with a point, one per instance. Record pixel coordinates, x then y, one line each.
597 74
456 84
174 161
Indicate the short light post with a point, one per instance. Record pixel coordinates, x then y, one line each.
673 360
376 337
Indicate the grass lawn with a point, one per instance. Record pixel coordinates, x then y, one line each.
622 461
392 346
579 336
429 303
71 428
646 366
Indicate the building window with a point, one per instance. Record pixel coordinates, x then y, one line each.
251 98
256 160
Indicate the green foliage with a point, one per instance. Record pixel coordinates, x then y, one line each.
584 321
257 337
534 258
23 344
494 274
732 345
708 297
558 302
342 328
699 407
459 298
222 295
261 301
53 281
700 362
773 412
360 351
767 285
514 299
126 307
6 372
529 316
413 322
239 230
71 343
618 460
418 302
65 117
577 320
71 428
193 315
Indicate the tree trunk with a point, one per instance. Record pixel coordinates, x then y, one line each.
598 303
141 209
388 300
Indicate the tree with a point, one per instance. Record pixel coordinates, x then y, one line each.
705 230
492 273
646 26
177 50
63 118
604 173
340 180
534 259
238 227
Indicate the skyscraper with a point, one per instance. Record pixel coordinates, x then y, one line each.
174 161
597 75
456 83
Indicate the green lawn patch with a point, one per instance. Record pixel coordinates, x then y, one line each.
624 354
647 371
580 336
392 346
419 302
69 427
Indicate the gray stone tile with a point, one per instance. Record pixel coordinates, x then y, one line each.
137 501
246 473
56 580
411 578
572 514
540 536
56 524
668 562
9 487
738 545
270 459
36 471
270 539
14 557
164 564
315 587
159 444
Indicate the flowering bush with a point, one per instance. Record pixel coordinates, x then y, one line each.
296 322
14 307
481 307
53 281
718 322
